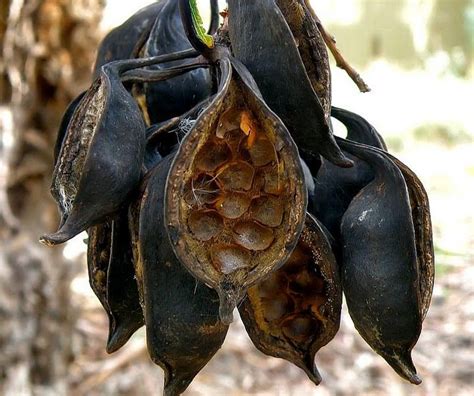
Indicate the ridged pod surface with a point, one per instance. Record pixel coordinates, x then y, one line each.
112 278
181 313
380 275
280 73
236 197
296 310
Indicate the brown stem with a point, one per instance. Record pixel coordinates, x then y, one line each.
340 60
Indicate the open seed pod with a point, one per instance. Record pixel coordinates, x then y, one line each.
181 313
380 276
171 98
311 47
63 127
101 156
279 71
236 198
112 278
296 310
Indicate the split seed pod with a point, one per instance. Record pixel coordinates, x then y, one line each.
236 197
101 157
181 314
296 310
279 71
63 127
311 47
380 275
112 278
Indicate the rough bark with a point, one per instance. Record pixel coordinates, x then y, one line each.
46 52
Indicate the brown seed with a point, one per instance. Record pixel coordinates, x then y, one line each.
237 175
276 307
253 236
300 328
232 205
228 122
205 225
229 258
262 151
202 190
268 211
212 155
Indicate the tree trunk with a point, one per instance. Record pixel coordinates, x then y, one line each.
47 49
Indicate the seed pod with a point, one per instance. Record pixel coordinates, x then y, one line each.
380 277
358 129
296 310
127 40
236 198
101 156
63 127
112 278
311 47
171 98
420 210
336 187
361 131
181 314
279 71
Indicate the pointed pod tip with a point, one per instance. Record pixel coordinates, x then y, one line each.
55 239
402 363
313 374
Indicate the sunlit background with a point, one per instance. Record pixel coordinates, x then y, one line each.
417 56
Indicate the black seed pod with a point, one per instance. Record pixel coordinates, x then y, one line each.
336 187
296 310
361 131
236 196
181 314
112 278
101 156
171 98
63 127
379 263
280 73
126 41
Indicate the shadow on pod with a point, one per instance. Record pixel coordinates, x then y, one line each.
101 155
280 73
236 196
296 310
181 314
171 98
112 278
380 275
335 186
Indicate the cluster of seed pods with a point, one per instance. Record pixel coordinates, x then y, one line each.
204 168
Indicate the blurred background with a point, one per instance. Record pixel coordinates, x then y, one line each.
418 58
